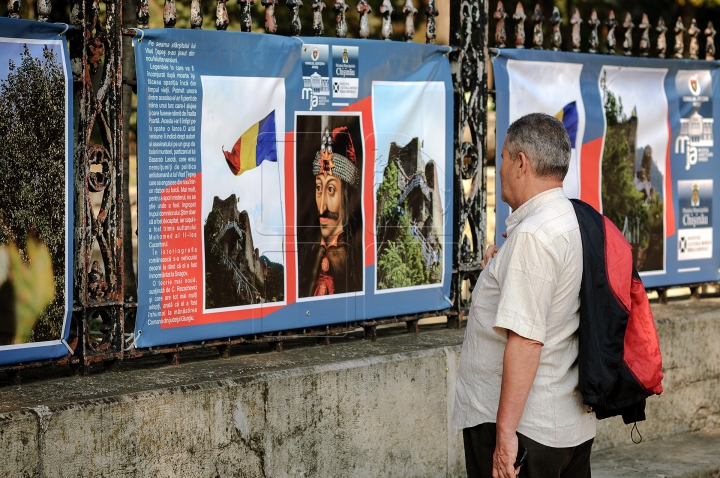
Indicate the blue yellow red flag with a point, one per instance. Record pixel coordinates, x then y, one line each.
569 117
254 146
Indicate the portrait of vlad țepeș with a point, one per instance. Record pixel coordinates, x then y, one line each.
329 152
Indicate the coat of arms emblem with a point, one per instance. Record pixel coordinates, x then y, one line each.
694 85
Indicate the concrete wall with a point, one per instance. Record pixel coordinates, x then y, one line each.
365 410
375 416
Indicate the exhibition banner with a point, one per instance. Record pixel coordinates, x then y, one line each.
36 201
642 136
287 183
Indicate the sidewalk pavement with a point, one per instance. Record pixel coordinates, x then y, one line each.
691 455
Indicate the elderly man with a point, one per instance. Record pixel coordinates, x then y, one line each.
517 387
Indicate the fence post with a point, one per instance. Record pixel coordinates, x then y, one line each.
468 37
537 19
611 23
96 48
556 21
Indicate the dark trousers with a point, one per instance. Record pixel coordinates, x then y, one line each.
541 462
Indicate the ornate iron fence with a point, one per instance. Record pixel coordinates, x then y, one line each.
594 45
104 295
611 24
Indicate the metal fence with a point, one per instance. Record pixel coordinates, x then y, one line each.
603 37
105 288
611 32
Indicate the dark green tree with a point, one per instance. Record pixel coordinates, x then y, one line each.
400 259
32 167
401 262
387 198
620 198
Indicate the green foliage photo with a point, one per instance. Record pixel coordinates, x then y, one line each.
32 168
400 257
622 203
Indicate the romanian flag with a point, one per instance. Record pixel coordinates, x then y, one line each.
256 145
569 117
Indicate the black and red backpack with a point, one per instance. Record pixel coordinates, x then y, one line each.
619 358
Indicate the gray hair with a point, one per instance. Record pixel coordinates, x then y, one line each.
545 142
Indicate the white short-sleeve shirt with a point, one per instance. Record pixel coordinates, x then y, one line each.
531 287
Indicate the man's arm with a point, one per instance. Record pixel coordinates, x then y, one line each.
520 364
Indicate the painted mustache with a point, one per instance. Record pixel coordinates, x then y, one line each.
334 216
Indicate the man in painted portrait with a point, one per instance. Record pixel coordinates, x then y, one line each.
329 258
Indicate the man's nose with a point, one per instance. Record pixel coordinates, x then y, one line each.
322 206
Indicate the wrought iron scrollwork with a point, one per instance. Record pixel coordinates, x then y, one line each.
519 17
409 11
645 37
169 14
611 24
710 41
661 41
556 21
628 25
500 33
594 41
318 6
245 15
196 15
340 8
95 47
537 19
386 9
270 21
576 21
44 7
13 7
694 31
470 27
221 16
295 25
431 12
679 38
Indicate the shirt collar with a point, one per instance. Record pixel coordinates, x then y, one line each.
530 206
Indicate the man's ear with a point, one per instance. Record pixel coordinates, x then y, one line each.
523 164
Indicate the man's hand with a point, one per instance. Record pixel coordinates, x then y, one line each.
506 451
490 253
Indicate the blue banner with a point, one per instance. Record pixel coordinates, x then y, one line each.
287 183
36 200
643 148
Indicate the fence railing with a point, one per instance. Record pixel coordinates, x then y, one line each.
604 36
628 46
102 73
